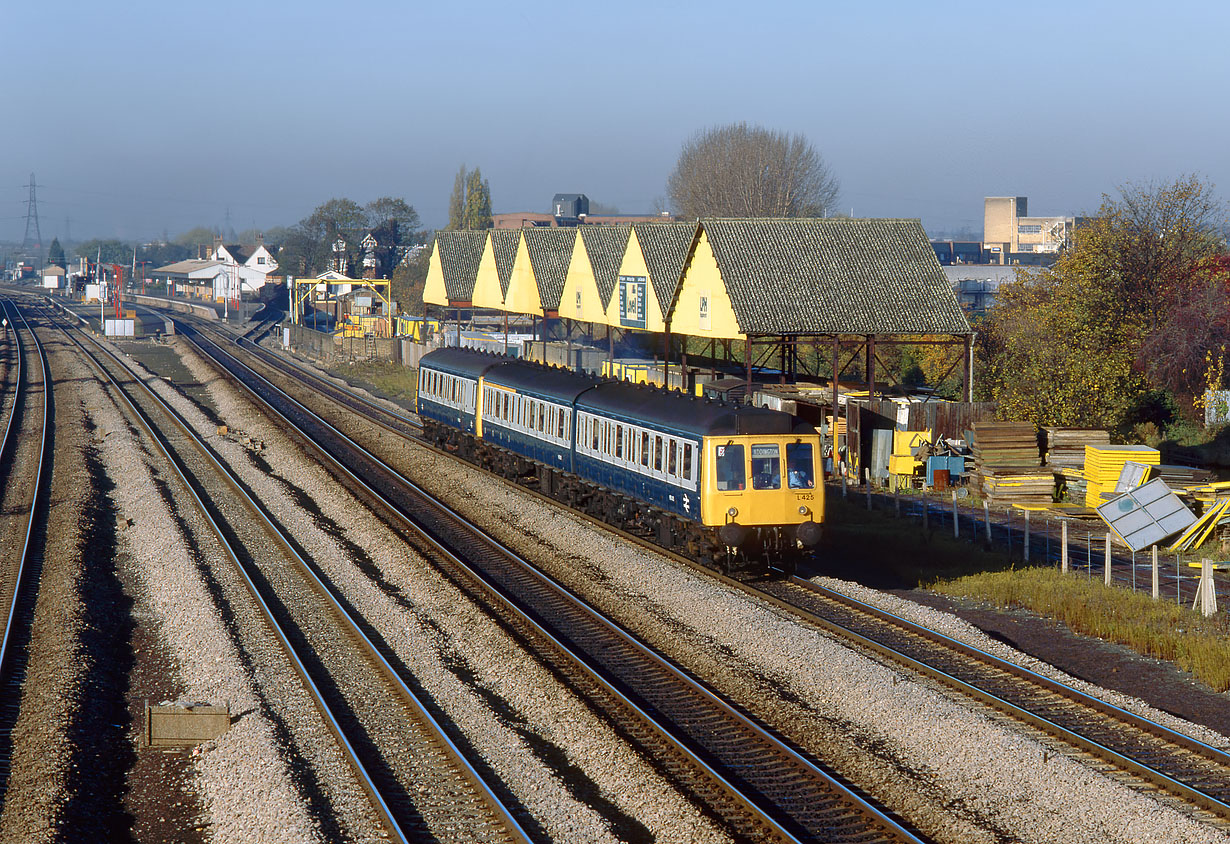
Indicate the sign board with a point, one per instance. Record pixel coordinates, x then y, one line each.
632 301
1146 515
119 327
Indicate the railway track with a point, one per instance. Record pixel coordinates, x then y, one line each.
23 460
419 781
1161 758
762 786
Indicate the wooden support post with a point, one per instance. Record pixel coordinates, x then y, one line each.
896 497
871 366
836 370
506 332
610 346
1206 595
747 356
843 484
1063 551
1106 568
986 518
867 482
969 368
1156 576
956 522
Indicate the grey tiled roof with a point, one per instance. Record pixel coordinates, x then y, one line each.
605 246
504 245
853 276
550 250
460 252
666 247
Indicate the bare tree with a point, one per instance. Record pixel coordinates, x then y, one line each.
749 171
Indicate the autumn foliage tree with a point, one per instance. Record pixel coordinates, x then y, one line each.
1131 311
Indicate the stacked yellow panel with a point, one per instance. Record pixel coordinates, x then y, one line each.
1103 463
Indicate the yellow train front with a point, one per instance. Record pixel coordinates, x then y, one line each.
730 485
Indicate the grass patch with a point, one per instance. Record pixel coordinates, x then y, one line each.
389 379
1198 645
895 553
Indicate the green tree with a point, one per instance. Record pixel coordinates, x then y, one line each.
478 202
107 251
457 202
55 254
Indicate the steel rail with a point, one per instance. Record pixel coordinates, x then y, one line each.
36 498
731 711
366 780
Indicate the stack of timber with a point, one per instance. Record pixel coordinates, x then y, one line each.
1065 447
1104 463
1179 477
1008 465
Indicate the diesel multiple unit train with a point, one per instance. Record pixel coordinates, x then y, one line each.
731 486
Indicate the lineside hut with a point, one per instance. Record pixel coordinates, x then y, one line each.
452 271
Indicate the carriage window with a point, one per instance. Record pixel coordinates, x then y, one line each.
644 448
672 464
687 461
619 440
593 431
729 468
562 419
800 471
657 454
766 467
542 415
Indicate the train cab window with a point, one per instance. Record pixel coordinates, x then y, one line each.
729 468
672 463
766 467
800 470
687 461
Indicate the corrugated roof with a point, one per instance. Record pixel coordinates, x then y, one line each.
850 276
605 247
504 245
188 266
460 252
666 247
550 250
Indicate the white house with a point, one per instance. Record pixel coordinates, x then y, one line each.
245 268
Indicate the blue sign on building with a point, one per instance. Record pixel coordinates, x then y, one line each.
632 301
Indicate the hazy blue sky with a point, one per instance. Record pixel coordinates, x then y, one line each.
149 116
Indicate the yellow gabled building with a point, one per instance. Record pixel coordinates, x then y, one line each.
592 272
702 304
649 275
453 268
495 268
538 271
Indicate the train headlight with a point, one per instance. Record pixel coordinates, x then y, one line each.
803 511
732 512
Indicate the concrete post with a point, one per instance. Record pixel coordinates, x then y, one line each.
1025 555
1106 569
1063 550
1156 578
956 522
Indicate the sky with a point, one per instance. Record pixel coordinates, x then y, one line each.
147 118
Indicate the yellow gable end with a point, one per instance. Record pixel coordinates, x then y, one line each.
487 292
433 287
703 306
633 304
522 295
580 300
